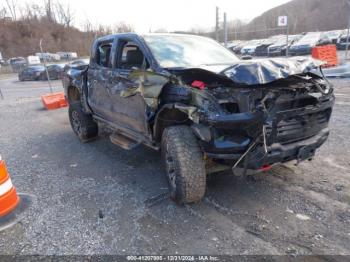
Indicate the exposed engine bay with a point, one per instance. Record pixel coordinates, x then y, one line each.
279 121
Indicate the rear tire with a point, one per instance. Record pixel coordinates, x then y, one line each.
42 77
184 163
82 124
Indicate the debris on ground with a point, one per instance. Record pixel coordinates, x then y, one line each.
100 214
339 187
289 211
302 217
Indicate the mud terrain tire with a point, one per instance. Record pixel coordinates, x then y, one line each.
184 164
82 124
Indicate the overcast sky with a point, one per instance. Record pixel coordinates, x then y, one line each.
168 14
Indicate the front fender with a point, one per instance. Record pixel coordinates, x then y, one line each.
76 77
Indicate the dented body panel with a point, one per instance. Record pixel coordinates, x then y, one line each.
247 113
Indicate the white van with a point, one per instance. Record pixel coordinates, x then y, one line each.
33 60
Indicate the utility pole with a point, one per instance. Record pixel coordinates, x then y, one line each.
217 24
347 41
287 44
47 72
225 29
347 36
282 21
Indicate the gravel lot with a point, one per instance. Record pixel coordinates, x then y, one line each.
96 198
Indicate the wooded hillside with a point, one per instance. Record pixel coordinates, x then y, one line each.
21 38
52 22
20 34
303 16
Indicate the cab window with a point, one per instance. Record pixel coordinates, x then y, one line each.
103 54
130 56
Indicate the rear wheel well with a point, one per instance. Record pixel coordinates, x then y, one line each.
169 117
73 94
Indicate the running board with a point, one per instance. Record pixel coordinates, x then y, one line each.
118 129
123 141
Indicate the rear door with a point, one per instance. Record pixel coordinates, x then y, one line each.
100 65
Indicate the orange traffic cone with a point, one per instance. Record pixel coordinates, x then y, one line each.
8 195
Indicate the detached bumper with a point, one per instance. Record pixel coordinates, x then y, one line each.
278 153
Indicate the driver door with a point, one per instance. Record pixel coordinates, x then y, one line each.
129 112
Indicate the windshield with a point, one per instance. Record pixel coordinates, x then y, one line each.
252 43
188 51
36 68
17 60
283 40
309 38
333 34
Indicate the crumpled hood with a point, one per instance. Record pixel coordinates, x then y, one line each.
264 71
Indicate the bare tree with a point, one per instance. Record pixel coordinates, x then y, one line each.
3 13
65 14
160 30
31 11
12 8
196 30
87 26
122 27
49 10
103 30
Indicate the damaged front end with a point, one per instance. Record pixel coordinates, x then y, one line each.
277 113
250 115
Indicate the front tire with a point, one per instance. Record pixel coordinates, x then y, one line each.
184 163
82 124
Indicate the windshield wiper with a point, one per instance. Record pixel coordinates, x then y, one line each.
214 64
175 68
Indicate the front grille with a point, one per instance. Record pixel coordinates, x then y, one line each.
297 128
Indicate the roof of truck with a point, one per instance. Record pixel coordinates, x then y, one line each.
132 34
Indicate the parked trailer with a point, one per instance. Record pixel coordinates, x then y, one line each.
48 56
67 55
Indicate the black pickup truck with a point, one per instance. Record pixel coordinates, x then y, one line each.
201 106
